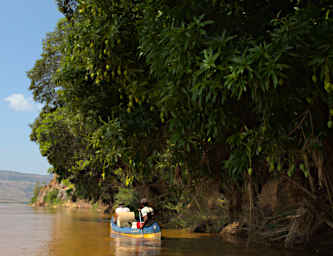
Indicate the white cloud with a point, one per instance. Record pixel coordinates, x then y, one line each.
18 102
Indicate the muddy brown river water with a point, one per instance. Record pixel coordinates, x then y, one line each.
64 232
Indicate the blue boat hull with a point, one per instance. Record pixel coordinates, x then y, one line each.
151 232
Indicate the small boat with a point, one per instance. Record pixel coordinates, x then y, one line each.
150 232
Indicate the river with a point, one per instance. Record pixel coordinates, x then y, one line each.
63 232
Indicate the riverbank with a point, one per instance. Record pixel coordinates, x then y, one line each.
57 194
275 219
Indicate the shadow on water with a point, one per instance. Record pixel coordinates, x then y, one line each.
178 243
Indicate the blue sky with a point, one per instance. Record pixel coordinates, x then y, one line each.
24 25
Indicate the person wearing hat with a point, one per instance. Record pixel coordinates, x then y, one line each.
147 213
121 208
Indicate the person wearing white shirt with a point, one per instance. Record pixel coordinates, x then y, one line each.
119 209
146 212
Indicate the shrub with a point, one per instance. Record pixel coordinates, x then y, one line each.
37 189
51 197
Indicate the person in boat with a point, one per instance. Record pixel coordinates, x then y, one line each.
121 208
146 212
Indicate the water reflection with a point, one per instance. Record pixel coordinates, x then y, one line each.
86 233
124 246
64 232
79 232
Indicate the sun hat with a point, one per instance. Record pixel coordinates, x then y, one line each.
144 201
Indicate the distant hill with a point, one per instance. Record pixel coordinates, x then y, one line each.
18 187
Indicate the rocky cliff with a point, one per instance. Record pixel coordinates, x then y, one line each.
57 194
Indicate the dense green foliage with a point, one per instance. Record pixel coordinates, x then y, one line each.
126 196
176 92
